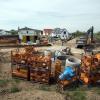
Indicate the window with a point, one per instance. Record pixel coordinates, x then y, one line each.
64 32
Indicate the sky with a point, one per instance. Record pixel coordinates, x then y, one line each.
39 14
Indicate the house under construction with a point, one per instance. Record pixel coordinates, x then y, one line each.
28 35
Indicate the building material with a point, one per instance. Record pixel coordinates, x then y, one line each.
90 69
31 65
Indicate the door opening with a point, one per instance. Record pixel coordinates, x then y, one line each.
27 38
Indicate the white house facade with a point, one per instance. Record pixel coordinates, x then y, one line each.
28 35
61 33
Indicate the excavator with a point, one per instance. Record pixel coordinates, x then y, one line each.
89 36
87 40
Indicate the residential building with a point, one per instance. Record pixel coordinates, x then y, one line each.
47 32
28 35
6 39
61 33
4 32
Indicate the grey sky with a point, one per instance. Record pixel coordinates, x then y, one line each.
71 14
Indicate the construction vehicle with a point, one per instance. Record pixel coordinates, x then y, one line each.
86 40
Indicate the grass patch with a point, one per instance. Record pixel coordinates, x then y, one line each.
44 87
14 89
17 80
3 82
82 88
97 36
79 95
96 90
75 95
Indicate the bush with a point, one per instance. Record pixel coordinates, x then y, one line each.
78 33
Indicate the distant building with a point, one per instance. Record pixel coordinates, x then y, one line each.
61 33
28 35
47 32
4 32
5 39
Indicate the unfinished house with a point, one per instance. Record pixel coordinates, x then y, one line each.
28 35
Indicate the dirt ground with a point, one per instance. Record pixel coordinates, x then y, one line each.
29 91
15 89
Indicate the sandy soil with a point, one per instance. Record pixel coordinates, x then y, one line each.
28 91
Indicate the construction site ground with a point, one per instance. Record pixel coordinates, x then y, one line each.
16 89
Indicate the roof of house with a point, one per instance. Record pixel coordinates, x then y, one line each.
59 31
9 36
2 30
26 28
48 30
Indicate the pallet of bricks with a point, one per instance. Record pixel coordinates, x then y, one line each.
90 68
31 65
40 68
19 65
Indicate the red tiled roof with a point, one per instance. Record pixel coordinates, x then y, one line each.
48 30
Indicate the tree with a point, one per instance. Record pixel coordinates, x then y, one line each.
14 32
78 33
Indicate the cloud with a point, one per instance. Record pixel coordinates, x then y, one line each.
73 14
